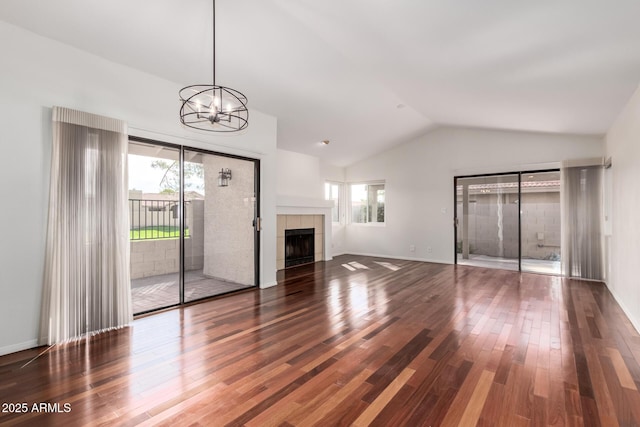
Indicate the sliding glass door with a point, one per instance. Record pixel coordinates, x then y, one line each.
488 226
509 221
208 247
540 210
220 209
154 220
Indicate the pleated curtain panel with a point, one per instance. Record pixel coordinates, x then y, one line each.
86 283
582 221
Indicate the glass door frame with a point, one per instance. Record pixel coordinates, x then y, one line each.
487 175
256 221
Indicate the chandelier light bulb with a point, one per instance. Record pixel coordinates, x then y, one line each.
213 114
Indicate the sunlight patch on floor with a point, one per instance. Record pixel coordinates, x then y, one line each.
358 265
388 265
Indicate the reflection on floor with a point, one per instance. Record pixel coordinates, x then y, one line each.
529 265
154 292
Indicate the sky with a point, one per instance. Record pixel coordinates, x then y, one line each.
142 176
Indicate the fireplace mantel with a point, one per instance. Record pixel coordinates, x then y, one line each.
302 203
293 205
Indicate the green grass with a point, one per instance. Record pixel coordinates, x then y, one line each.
157 232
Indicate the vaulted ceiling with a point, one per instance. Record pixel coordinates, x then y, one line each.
370 74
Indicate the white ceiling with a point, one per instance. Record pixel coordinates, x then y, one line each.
338 70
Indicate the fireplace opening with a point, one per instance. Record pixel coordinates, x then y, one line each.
299 246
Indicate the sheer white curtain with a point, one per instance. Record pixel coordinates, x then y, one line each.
581 206
86 284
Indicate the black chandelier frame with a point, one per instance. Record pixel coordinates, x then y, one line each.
212 107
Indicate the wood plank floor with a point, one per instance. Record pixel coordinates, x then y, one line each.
354 341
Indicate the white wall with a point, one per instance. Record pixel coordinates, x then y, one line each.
38 73
419 183
330 172
623 146
303 176
299 175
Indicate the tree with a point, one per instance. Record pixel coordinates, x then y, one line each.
170 182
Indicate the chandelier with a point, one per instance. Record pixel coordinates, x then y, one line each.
213 107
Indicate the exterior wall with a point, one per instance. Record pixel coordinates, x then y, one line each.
154 257
484 226
194 245
228 221
292 222
540 214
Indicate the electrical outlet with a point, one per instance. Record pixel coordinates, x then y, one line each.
412 248
428 249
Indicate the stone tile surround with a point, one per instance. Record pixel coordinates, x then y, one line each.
292 222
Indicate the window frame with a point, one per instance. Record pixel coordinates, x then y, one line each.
350 203
340 199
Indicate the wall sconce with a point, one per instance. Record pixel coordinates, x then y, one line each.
223 177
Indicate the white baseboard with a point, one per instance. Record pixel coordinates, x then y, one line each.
632 319
13 348
435 261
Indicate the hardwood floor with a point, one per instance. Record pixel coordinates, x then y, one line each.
354 341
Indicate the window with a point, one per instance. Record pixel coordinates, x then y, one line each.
367 203
332 191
